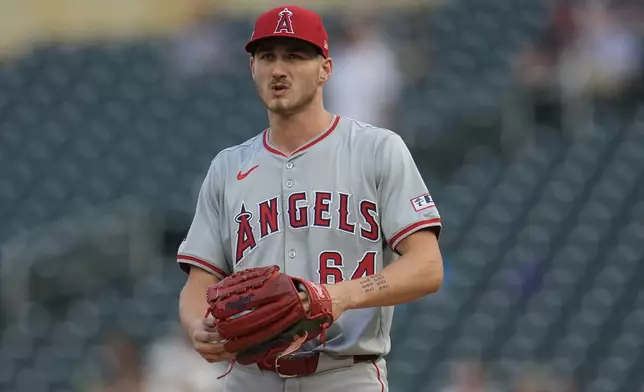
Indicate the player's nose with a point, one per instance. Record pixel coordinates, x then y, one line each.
279 71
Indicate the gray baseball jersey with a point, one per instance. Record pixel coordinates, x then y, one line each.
334 209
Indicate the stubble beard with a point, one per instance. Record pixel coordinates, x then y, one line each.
289 107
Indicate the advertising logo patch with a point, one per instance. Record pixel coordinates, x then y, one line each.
422 202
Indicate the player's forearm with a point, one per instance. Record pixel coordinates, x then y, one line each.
192 304
410 277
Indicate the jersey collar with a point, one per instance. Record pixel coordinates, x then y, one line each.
308 145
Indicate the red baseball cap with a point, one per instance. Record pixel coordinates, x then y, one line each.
291 21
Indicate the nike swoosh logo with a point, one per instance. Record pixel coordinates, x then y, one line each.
241 176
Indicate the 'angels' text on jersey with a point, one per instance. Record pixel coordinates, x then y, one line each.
320 209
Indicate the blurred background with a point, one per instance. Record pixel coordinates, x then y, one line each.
526 118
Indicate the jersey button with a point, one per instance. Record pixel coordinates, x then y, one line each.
291 254
289 184
289 165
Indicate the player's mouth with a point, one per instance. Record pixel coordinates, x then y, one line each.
279 88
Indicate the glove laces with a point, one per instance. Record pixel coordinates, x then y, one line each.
230 369
324 327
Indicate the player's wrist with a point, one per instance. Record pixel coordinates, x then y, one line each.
340 298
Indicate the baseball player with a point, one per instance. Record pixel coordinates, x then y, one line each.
328 199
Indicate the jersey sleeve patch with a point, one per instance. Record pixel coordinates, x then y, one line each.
422 202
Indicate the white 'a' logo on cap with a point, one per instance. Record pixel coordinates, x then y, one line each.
284 24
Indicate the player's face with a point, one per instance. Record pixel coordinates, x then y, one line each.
288 74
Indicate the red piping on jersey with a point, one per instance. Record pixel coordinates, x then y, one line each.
382 384
396 237
306 146
202 263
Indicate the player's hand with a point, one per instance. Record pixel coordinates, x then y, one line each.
208 343
304 296
338 306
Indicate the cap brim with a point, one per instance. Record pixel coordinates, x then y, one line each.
251 46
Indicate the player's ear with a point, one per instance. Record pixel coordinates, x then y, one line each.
326 69
252 66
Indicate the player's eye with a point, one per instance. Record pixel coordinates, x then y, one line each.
266 56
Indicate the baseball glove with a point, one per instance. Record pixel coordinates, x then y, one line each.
261 317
